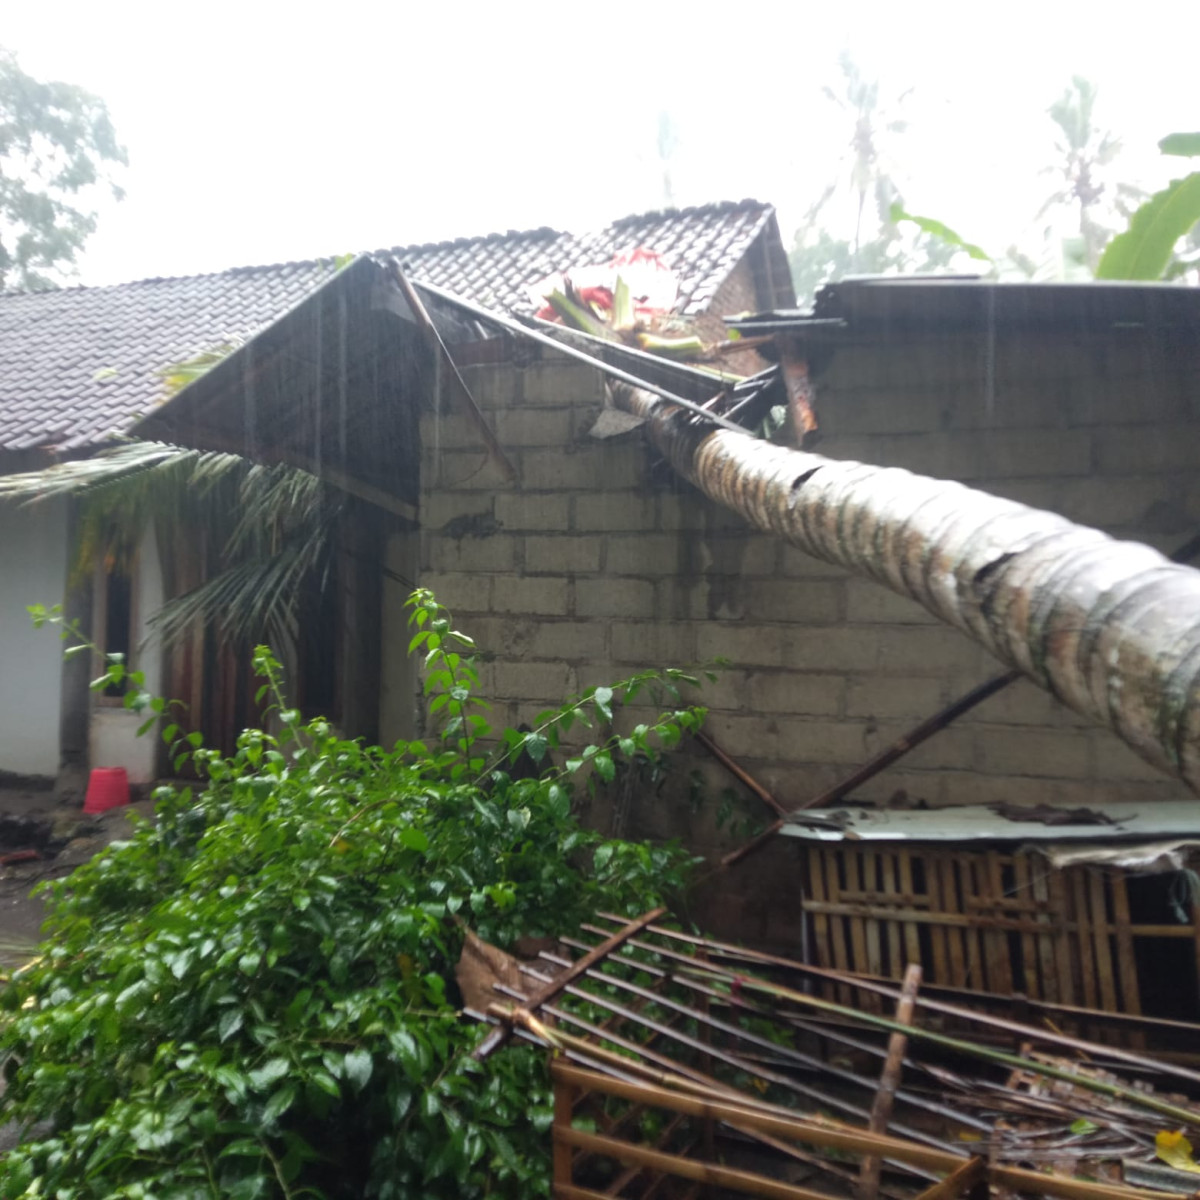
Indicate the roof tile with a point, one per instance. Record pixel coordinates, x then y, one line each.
81 364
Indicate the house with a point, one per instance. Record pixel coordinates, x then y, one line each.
575 559
316 371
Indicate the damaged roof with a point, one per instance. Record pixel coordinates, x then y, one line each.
702 245
82 364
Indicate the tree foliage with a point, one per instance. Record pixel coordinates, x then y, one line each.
254 996
270 530
1086 155
57 143
1148 249
862 198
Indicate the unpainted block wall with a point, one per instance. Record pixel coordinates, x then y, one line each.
598 562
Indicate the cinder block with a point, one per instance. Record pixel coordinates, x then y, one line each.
1114 761
541 512
550 683
837 648
792 692
493 385
461 471
559 382
745 555
1149 449
614 512
919 651
743 645
562 555
645 554
795 602
630 598
840 742
593 468
694 599
439 507
654 644
460 593
529 595
1049 753
795 563
451 430
1113 501
468 554
517 427
881 408
870 603
887 698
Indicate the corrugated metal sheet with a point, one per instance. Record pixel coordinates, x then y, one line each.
978 823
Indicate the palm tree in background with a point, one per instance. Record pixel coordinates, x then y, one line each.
866 177
1086 152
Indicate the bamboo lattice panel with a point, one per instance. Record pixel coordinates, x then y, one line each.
990 920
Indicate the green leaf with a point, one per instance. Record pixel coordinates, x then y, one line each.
536 746
937 229
1183 145
279 1103
1144 249
604 766
270 1072
230 1022
602 698
358 1067
1083 1125
413 839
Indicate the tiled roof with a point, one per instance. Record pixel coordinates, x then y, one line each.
80 364
702 245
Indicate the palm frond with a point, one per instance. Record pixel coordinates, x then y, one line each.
266 531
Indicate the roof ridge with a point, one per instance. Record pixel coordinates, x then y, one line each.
544 232
328 260
713 208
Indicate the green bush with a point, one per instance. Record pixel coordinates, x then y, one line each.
254 997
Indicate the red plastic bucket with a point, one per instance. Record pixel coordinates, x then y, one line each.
108 787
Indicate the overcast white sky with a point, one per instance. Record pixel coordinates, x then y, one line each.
260 132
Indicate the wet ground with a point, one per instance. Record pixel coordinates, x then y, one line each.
41 839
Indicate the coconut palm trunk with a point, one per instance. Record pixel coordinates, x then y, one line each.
1110 628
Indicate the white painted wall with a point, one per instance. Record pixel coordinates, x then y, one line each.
33 570
112 733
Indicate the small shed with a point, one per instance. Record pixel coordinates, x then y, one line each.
1093 906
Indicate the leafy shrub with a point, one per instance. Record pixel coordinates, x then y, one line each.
254 997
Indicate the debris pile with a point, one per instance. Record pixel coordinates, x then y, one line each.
693 1059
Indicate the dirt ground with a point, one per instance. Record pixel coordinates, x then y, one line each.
63 837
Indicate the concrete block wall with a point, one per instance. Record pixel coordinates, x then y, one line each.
597 562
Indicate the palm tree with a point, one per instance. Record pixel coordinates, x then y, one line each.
866 172
1086 152
265 533
1132 668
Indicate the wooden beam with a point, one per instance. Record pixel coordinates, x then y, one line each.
889 1081
747 1182
499 1036
966 1178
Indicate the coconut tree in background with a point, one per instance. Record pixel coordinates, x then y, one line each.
1086 184
861 198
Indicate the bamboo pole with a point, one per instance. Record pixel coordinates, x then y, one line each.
889 1080
968 1176
744 1115
1112 629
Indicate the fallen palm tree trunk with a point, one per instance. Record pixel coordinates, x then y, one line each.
1111 628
